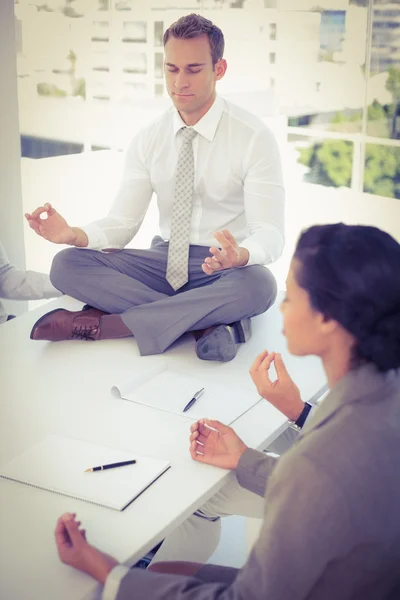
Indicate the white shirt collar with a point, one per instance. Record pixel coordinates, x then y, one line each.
207 126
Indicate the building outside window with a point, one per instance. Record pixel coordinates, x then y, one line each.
158 33
334 69
158 64
134 31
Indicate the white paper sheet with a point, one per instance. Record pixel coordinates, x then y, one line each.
170 391
57 464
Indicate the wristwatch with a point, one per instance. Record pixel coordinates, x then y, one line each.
298 424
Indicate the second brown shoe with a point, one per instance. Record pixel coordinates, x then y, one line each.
61 324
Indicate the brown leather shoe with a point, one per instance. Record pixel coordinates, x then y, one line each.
61 324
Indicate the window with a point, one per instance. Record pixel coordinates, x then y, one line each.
332 33
134 31
323 160
75 52
99 59
123 5
135 62
133 92
90 74
100 38
100 31
101 96
382 161
382 170
52 77
100 87
158 65
158 33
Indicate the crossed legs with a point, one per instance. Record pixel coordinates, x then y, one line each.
132 284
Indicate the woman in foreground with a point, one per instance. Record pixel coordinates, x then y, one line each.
331 526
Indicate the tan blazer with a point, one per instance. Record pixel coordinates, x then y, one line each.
331 528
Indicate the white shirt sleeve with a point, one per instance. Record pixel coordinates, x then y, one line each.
123 221
16 284
113 581
264 200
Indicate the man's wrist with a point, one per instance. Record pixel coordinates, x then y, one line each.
79 239
294 410
244 256
104 569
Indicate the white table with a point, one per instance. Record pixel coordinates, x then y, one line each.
65 388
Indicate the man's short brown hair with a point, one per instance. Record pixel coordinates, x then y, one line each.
192 26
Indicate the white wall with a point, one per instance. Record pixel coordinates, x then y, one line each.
309 204
11 223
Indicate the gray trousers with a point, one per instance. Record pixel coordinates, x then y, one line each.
132 283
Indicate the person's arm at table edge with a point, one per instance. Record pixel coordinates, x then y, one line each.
270 555
17 284
252 472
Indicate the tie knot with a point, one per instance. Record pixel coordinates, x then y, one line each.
188 134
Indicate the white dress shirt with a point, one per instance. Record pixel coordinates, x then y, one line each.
238 183
22 285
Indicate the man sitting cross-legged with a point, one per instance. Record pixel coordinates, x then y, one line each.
216 171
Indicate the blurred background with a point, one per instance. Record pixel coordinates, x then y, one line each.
87 74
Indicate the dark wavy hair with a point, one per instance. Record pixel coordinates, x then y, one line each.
192 26
352 275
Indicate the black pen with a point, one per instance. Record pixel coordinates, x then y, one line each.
193 400
111 466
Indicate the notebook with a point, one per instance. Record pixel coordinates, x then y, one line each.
170 391
57 464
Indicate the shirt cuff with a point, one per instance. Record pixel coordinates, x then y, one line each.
256 252
49 291
113 581
97 239
265 246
